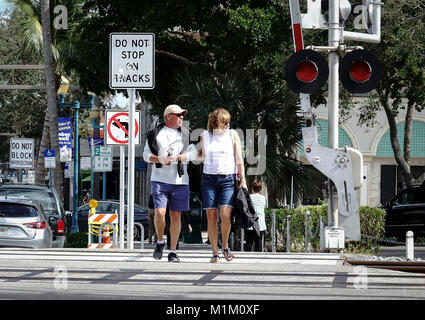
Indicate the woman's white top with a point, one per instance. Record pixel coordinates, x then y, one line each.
259 203
219 153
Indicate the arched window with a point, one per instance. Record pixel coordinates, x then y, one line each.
417 141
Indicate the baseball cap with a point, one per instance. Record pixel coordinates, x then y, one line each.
173 108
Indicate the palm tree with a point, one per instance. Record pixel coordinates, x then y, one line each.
38 38
51 91
251 107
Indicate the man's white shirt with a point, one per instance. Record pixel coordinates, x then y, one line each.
169 143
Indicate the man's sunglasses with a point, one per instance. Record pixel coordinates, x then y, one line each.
179 114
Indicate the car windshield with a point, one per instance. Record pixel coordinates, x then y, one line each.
46 198
410 197
14 210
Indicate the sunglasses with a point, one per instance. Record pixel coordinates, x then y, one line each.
179 114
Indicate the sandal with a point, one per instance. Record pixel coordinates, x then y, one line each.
228 255
215 259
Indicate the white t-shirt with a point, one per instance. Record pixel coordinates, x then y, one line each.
219 153
169 141
259 203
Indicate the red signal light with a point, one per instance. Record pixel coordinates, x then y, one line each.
307 71
360 71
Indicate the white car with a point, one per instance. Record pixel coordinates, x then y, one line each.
24 224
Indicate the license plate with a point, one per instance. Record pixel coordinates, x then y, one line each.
4 229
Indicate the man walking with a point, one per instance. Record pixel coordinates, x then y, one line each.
166 150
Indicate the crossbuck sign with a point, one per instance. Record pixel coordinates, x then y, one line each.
132 60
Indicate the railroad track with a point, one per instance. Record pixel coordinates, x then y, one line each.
407 266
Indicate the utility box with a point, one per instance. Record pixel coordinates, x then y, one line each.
332 238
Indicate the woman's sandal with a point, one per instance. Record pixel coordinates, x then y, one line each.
215 259
228 255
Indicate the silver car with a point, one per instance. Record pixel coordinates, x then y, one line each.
23 224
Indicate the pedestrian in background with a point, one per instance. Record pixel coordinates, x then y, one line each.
222 156
260 203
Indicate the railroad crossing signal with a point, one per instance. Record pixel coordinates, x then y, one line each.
306 71
360 71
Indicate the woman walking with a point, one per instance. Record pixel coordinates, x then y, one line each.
221 152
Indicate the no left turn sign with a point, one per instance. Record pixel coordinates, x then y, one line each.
117 127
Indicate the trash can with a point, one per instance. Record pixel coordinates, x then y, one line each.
195 219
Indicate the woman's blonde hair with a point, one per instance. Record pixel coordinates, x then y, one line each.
218 119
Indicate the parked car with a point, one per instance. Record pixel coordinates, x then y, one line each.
23 223
141 216
406 212
51 203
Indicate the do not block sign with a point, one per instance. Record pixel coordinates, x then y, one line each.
117 127
21 154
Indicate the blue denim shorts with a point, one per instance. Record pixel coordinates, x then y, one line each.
217 190
176 195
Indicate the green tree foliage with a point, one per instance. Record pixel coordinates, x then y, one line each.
401 52
188 33
22 112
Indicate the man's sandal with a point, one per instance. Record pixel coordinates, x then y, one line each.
215 259
228 255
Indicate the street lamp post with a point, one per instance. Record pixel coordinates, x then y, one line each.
76 105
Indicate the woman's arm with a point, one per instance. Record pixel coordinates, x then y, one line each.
239 160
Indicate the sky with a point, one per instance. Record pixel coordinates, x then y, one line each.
4 5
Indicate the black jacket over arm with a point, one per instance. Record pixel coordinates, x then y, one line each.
243 214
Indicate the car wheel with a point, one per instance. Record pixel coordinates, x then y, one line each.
136 233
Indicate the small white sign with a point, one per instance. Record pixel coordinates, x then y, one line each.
21 153
102 159
49 158
132 60
85 163
334 238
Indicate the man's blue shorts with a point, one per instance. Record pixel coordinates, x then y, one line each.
217 190
176 195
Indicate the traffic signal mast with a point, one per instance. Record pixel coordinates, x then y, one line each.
306 72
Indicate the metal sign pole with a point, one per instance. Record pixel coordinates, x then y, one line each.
334 37
122 195
131 167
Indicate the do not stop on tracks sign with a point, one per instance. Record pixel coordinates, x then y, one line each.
132 60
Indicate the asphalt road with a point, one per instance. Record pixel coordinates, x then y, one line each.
135 275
